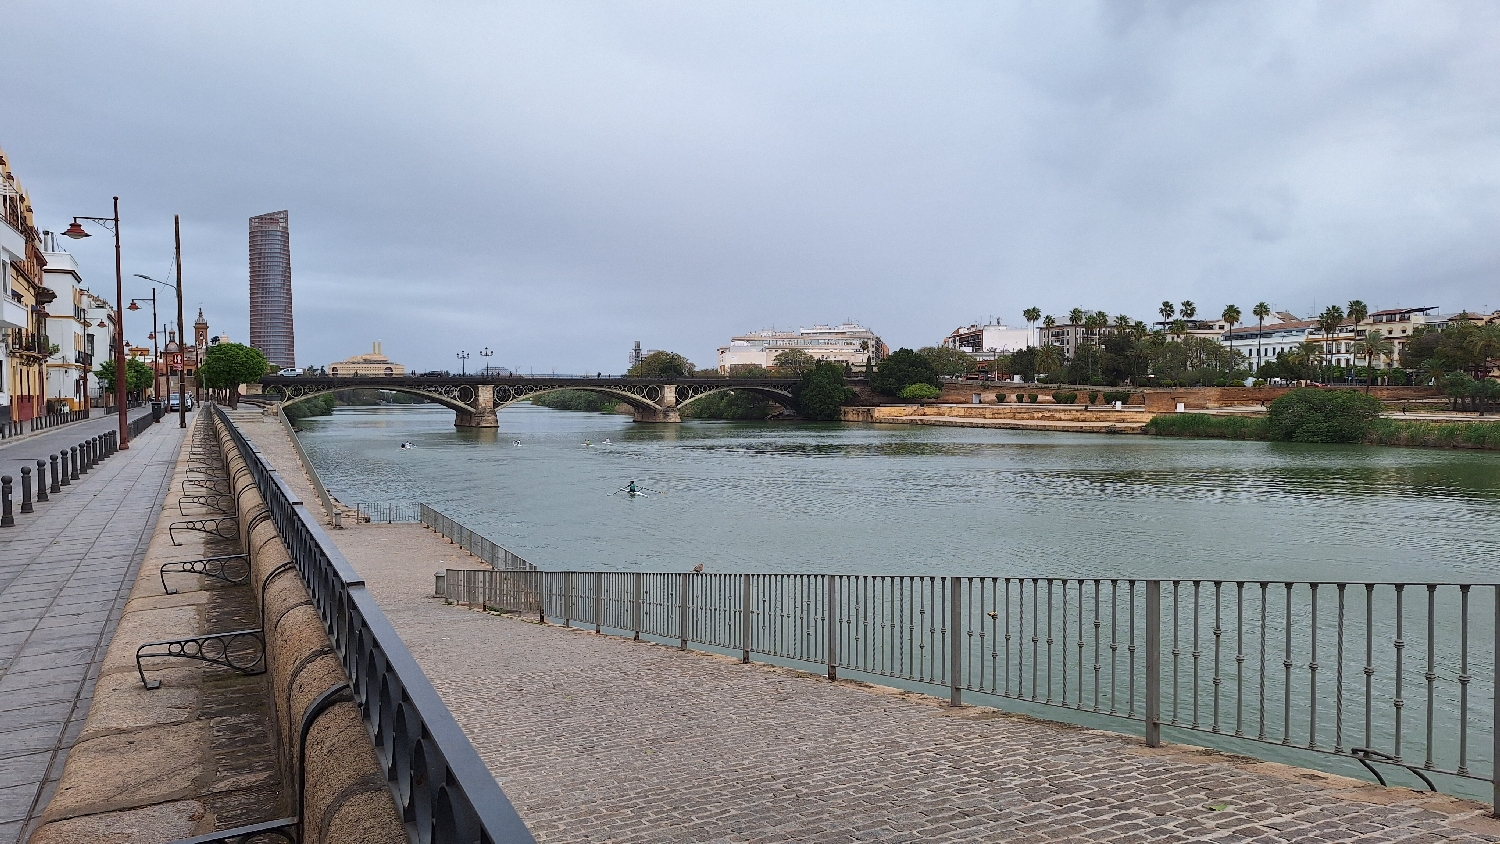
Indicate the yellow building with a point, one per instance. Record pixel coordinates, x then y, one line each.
375 363
23 305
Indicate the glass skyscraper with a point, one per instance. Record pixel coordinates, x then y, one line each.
271 289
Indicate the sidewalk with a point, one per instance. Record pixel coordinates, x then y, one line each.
65 572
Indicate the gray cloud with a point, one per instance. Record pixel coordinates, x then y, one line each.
557 180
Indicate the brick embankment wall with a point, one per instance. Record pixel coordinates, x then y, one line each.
346 798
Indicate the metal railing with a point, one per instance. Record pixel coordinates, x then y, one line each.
387 512
1392 676
307 466
140 423
443 792
484 549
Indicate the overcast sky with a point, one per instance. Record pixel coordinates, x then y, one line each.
556 180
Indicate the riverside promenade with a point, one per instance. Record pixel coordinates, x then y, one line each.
65 571
601 739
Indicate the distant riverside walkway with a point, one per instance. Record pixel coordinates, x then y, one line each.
600 739
65 572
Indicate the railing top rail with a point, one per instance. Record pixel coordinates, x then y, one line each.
1036 578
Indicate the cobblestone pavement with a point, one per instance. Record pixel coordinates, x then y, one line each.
65 572
597 738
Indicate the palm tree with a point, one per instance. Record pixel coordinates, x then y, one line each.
1329 322
1189 310
1032 315
1357 312
1373 344
1167 310
1231 316
1075 316
1179 328
1261 311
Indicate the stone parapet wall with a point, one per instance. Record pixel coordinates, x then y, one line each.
345 797
1028 412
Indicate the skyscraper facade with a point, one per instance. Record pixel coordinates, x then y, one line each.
271 289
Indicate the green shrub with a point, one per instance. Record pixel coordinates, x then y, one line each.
919 392
1206 425
1121 396
1311 415
1093 396
1032 397
1065 398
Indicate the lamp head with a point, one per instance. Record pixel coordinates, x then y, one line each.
133 307
75 231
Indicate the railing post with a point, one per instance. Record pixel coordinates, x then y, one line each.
567 599
745 619
955 664
1495 718
41 481
7 519
833 640
636 603
682 617
1153 663
598 598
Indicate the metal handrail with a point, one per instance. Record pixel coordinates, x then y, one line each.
443 791
485 549
1402 673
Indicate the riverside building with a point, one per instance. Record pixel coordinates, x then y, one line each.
986 342
373 363
848 343
23 312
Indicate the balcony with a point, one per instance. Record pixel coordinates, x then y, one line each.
19 341
12 313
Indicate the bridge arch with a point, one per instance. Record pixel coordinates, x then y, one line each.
293 395
781 397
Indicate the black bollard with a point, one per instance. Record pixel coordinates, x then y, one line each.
93 452
6 519
56 483
26 490
73 458
41 480
83 457
63 479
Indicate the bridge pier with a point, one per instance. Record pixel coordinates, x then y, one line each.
670 414
483 414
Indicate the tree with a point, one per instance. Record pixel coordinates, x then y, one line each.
138 376
1032 315
822 391
1357 312
1329 322
1231 316
1023 362
1189 310
228 365
661 365
1310 415
1261 311
1167 311
953 363
902 369
1374 344
794 361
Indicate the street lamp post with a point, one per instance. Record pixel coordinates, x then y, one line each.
486 354
181 337
75 231
463 362
155 347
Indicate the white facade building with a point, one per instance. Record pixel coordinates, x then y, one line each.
67 322
848 343
986 342
99 342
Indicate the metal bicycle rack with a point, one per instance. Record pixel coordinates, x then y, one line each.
225 649
219 568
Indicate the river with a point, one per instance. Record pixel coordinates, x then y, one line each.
898 499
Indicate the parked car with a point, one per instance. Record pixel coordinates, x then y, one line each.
173 401
289 372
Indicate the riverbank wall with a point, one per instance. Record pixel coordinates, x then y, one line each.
1052 417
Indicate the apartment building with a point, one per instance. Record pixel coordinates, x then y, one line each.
23 314
986 342
847 343
67 330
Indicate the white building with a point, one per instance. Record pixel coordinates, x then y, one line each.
67 323
98 341
986 342
1262 343
848 343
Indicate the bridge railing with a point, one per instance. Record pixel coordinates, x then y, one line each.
442 790
1397 677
